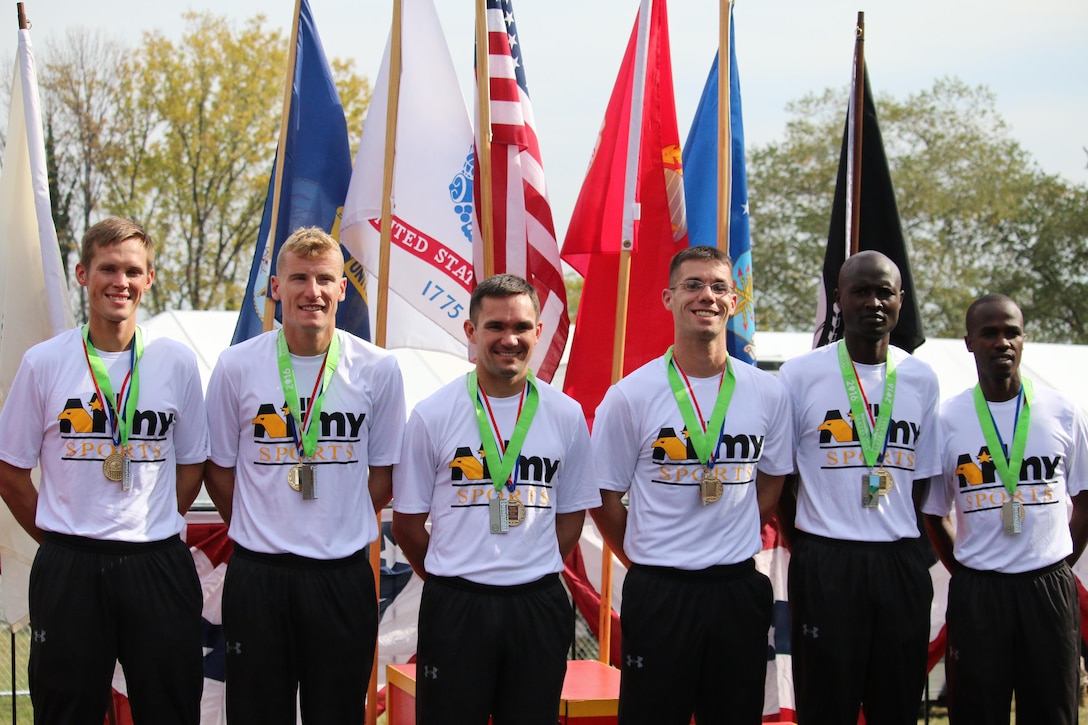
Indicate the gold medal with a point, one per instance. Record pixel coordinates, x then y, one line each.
710 488
887 483
113 467
515 512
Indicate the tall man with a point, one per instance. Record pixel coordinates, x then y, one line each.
1013 456
696 441
116 421
865 418
501 463
307 426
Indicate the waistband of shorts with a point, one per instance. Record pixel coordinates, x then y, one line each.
858 545
108 546
455 582
718 571
1032 574
295 561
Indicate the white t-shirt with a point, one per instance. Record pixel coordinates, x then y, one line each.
640 443
1055 467
442 472
362 421
52 415
829 457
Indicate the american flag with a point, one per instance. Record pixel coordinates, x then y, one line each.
525 242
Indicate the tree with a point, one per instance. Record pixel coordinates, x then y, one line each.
974 207
180 136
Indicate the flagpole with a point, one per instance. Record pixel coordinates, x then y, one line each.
623 284
285 119
483 137
858 120
21 12
725 141
382 313
392 106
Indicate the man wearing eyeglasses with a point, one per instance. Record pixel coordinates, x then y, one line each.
696 442
865 421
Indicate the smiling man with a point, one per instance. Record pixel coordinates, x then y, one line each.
1013 454
500 462
307 424
115 418
865 420
696 440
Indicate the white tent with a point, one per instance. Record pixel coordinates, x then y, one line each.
1060 367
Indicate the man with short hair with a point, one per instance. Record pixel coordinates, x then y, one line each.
500 462
306 425
865 421
1014 454
697 442
116 421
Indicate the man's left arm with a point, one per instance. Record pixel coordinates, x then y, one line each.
1078 526
381 486
768 491
189 478
568 530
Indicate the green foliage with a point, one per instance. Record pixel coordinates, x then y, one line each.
180 135
977 213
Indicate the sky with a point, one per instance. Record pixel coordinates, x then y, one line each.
1033 56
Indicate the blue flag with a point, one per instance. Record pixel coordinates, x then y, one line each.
700 163
316 172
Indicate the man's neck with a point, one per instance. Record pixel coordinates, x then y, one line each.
110 336
1000 390
306 344
499 387
699 358
867 352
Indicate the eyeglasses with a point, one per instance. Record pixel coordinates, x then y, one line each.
695 286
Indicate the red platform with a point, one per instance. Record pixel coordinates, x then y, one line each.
590 695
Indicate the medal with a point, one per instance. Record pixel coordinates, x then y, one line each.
1012 517
114 467
515 512
301 478
887 483
303 475
870 490
705 437
1008 464
500 458
710 488
872 433
120 413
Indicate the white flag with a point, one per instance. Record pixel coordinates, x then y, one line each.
33 295
430 257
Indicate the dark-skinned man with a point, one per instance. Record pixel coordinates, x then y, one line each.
865 422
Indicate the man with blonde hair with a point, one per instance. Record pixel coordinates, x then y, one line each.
306 426
116 421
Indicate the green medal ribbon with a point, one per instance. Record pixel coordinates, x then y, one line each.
703 440
873 441
304 431
1008 468
508 459
130 390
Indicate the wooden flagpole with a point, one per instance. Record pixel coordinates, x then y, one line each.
630 218
385 239
270 243
483 138
856 131
725 129
21 12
